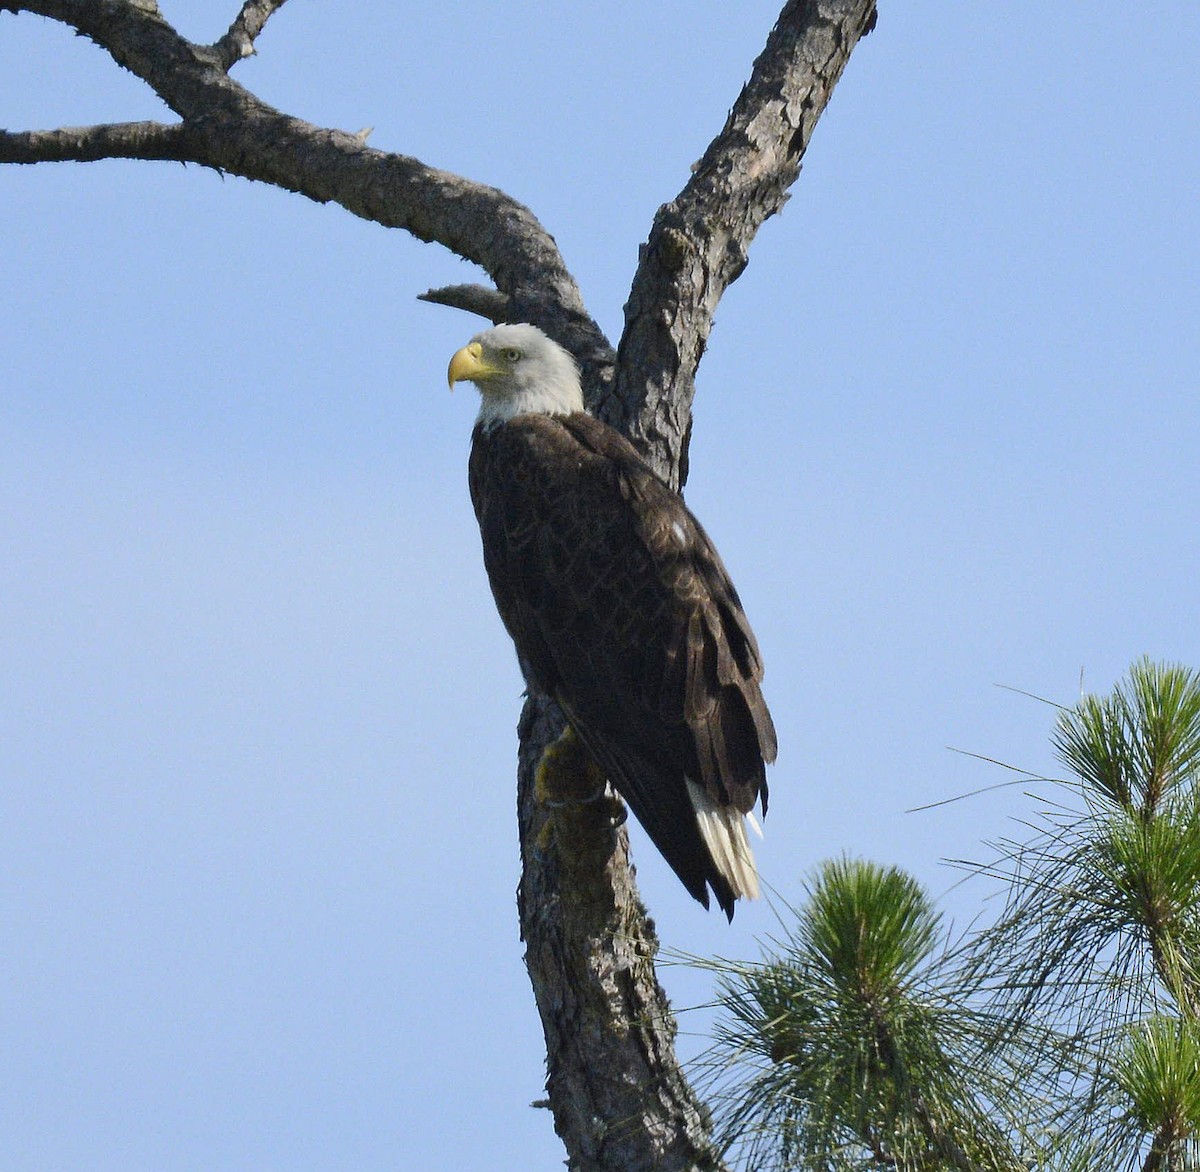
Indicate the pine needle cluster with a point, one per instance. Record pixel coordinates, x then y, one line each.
1064 1036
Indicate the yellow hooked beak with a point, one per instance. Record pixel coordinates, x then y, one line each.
470 364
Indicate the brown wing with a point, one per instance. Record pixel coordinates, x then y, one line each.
621 609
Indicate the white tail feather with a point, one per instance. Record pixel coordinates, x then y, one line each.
723 829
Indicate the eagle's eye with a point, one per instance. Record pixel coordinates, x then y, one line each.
510 355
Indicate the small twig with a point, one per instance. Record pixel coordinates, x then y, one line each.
478 299
238 42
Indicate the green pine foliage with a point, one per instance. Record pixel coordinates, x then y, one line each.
1158 1070
852 1044
1063 1036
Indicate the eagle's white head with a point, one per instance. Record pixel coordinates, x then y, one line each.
519 371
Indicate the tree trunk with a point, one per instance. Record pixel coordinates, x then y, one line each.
619 1098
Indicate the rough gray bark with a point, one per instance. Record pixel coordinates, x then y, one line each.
699 242
619 1098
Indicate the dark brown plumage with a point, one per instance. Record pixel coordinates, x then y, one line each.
620 609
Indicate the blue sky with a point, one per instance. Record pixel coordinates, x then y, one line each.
257 842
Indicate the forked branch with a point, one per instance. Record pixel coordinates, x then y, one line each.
238 42
619 1098
226 127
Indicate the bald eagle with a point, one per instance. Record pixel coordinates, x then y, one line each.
620 609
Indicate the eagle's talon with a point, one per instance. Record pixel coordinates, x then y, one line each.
566 775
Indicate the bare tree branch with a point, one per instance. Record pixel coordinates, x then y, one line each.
86 144
699 243
238 42
138 38
229 129
476 299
